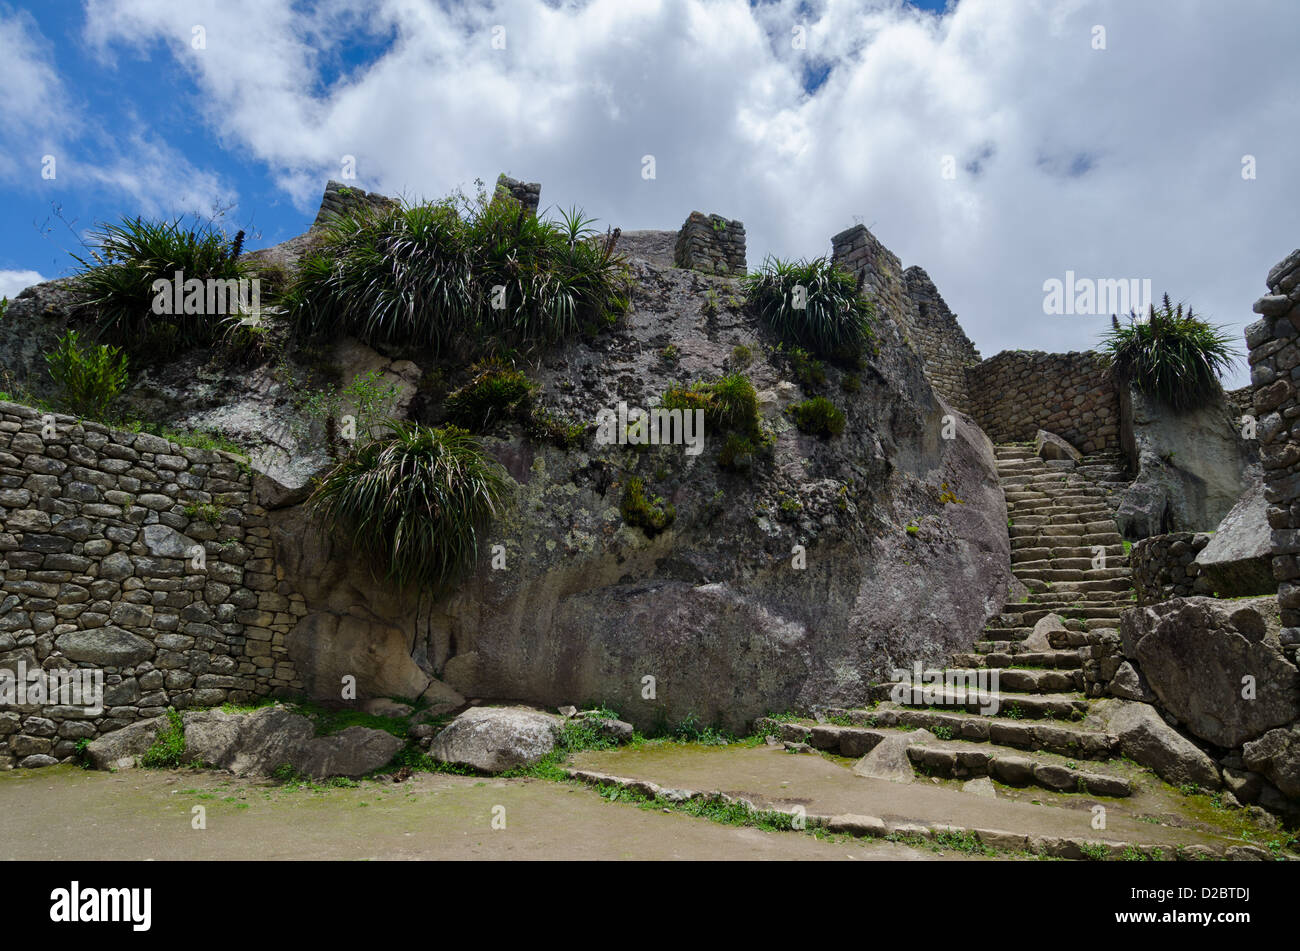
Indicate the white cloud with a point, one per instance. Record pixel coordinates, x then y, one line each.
1123 162
40 116
11 282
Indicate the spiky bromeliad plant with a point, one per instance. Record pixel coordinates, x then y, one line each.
490 274
834 321
414 499
115 286
1172 355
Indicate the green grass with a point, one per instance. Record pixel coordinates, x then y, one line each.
415 501
168 748
495 392
651 515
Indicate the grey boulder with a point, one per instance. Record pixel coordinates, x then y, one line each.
122 749
1149 741
1217 666
1237 561
265 741
496 739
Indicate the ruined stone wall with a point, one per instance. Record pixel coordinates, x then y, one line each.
1274 372
1018 392
1164 566
911 300
712 244
939 339
125 553
528 194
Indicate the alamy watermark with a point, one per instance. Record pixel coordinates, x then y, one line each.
657 426
213 295
1098 297
69 687
935 687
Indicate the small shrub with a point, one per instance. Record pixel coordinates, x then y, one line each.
804 367
115 287
741 356
818 417
414 500
434 275
1172 356
206 512
495 392
89 377
834 321
670 355
651 515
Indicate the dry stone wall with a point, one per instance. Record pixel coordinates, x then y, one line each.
910 298
1274 374
1164 566
133 556
528 194
1018 392
712 244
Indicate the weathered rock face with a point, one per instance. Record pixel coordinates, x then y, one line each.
495 739
1195 654
1237 560
1191 467
713 609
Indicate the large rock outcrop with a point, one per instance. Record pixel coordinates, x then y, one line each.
1217 666
797 580
1191 467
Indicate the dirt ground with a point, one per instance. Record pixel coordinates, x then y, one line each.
66 813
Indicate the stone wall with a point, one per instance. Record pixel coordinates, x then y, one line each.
1241 402
528 194
125 553
1018 392
1164 566
340 199
912 301
712 244
939 339
1274 372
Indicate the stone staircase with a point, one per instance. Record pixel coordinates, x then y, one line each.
1030 731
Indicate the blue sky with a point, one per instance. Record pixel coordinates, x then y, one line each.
1123 161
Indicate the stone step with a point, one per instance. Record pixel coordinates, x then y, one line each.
1063 515
986 703
930 813
1026 570
1015 680
1031 612
1049 562
1071 530
1048 660
1061 737
1108 539
958 760
1119 586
